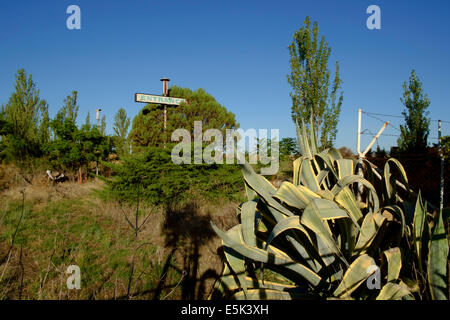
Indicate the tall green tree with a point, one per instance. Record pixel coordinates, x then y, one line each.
70 108
121 127
88 120
27 115
415 131
148 126
74 148
313 94
102 128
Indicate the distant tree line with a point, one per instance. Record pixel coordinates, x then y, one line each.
28 133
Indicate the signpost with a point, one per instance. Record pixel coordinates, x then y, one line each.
163 100
151 98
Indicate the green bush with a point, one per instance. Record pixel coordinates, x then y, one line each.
155 179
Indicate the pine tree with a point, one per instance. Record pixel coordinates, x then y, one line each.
309 79
148 126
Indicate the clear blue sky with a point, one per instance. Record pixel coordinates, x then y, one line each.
235 50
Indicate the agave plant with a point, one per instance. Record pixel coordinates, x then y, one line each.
333 232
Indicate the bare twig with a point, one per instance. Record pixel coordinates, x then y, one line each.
17 227
41 285
22 269
176 286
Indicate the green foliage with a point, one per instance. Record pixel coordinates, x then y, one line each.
288 147
148 125
26 115
121 126
72 148
445 145
154 178
70 108
321 240
310 81
414 134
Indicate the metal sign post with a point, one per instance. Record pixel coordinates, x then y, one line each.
162 100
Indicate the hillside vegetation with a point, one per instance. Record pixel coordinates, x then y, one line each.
46 227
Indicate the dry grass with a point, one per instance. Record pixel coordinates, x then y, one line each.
68 224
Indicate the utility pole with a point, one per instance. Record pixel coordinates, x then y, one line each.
362 155
97 117
98 128
441 197
360 159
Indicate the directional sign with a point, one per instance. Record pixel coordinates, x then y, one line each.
151 98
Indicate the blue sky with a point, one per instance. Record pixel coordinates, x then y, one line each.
235 50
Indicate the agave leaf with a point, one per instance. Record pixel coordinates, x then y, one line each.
286 224
308 153
321 178
345 167
334 154
314 144
294 196
371 224
302 139
226 283
264 294
251 194
263 188
294 223
348 233
394 262
326 252
260 255
314 217
308 177
437 261
419 223
368 171
248 222
348 180
328 161
393 291
390 181
346 200
400 215
355 275
237 263
302 250
326 194
296 167
253 283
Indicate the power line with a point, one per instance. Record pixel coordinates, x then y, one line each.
396 116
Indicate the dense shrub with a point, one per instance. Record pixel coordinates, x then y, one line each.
153 177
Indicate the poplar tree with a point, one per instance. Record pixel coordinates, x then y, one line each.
27 116
312 94
415 131
121 127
